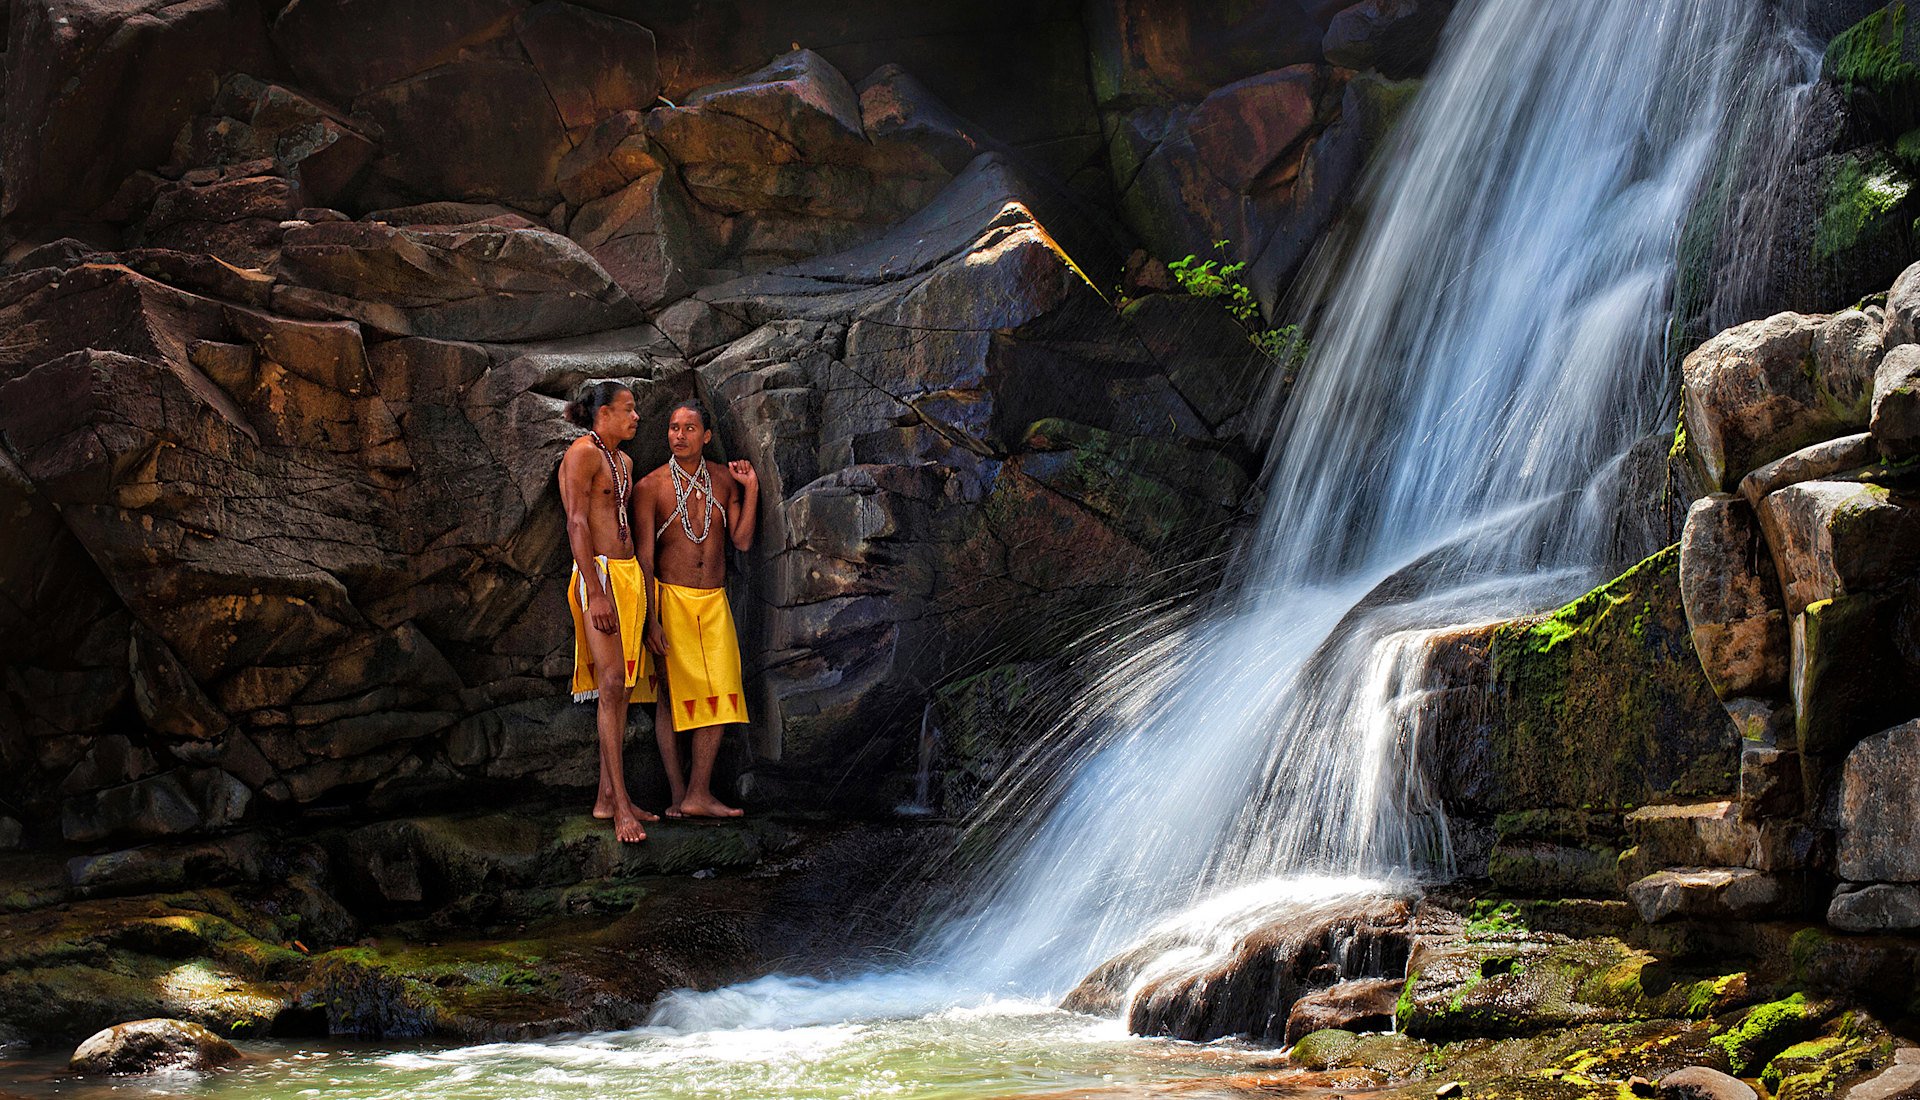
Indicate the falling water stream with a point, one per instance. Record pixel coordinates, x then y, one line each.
1487 340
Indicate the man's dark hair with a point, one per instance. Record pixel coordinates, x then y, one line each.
700 410
591 397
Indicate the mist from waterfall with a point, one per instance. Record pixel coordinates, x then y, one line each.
1486 341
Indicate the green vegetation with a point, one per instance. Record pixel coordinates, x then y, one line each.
1859 204
1490 919
1769 1028
1212 279
1871 58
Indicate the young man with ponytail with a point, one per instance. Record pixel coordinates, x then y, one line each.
687 514
608 590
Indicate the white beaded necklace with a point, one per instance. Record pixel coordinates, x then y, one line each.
684 486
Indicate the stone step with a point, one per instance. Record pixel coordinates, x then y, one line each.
1705 893
1713 834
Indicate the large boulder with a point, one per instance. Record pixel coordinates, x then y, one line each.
1879 808
911 435
1599 705
1732 599
1764 389
151 1046
1896 404
1837 538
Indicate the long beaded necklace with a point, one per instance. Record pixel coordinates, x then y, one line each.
684 486
622 484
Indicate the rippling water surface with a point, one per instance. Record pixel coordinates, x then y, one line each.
993 1048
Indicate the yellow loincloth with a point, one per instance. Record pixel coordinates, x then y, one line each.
629 591
703 657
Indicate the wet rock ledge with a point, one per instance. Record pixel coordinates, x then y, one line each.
466 926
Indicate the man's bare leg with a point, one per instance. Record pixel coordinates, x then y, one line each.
669 742
610 714
699 800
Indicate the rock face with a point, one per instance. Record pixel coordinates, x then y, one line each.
150 1046
282 405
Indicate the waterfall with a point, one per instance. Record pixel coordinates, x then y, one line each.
1485 343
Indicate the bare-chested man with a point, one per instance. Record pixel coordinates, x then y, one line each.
608 589
687 513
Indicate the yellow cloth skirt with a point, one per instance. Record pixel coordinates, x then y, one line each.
703 656
629 591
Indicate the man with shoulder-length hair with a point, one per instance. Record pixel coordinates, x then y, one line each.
688 511
608 590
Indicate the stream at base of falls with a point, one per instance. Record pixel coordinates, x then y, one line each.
991 1048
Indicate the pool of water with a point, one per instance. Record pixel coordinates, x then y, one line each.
996 1048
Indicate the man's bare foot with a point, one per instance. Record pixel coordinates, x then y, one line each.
704 807
603 810
627 828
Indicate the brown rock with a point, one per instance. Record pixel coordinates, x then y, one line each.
1879 812
1896 404
1702 1083
1758 391
613 154
896 108
594 64
1833 538
1903 309
1815 463
345 49
484 128
115 81
1364 1005
461 284
307 140
646 239
1728 586
1156 53
151 1046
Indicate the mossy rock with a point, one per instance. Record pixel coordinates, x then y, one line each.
1164 496
1876 62
1335 1048
1819 1068
1596 707
1767 1029
1502 985
986 721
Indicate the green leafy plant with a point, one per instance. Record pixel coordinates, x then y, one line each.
1213 279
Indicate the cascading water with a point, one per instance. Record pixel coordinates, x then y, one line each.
1489 342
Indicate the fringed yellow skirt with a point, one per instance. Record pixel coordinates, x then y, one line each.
624 582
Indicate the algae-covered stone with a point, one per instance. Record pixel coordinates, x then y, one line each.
1337 1048
1877 60
1600 705
1525 985
1767 1029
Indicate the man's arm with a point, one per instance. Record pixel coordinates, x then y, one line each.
576 496
743 510
644 541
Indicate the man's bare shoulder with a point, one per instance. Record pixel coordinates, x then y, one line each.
655 477
575 458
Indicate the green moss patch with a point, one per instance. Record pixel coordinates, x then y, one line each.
1602 704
